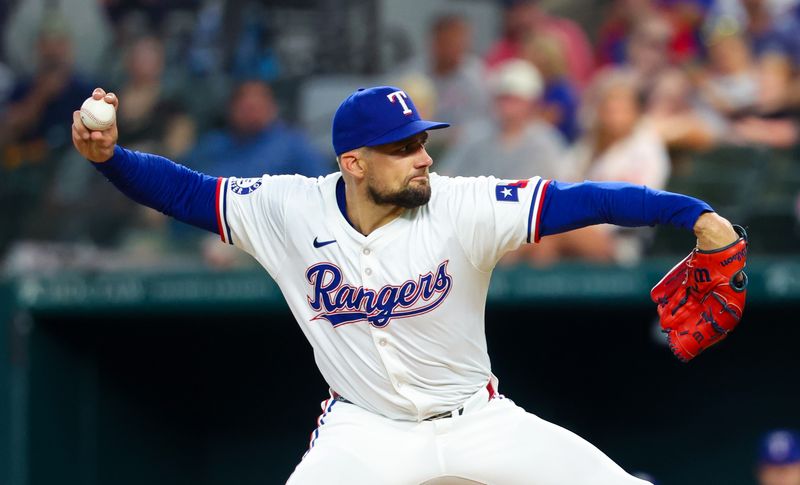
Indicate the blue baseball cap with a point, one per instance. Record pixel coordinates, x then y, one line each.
375 116
780 447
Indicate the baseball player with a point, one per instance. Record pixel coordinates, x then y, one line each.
386 268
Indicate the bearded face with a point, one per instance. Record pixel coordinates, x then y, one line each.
414 192
398 173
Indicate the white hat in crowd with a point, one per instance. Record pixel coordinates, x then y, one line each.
516 78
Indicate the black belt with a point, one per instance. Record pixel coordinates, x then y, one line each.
446 414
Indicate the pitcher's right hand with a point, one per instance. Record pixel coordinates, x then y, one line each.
97 146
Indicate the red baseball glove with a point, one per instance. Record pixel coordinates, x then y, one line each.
702 298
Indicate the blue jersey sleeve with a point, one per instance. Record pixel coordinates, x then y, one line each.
165 186
570 206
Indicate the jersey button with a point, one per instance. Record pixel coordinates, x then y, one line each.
366 251
368 271
382 342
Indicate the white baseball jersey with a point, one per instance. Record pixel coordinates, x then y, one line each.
396 318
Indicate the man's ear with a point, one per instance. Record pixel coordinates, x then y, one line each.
352 162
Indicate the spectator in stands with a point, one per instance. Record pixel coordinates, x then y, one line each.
84 19
153 118
458 75
779 458
516 143
524 17
773 121
683 19
757 18
256 140
615 29
619 144
681 122
559 101
648 51
729 84
32 131
39 105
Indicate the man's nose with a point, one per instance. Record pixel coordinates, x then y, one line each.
424 160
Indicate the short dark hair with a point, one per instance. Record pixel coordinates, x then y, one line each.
241 83
446 20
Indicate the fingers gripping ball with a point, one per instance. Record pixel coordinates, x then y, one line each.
702 298
97 115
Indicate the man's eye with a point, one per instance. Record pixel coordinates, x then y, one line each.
411 147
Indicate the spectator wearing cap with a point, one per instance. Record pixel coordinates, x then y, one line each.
758 19
515 143
730 83
779 458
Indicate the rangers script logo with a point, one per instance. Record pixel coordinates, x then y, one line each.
340 303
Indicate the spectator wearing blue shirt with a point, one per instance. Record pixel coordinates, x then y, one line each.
559 101
256 140
39 105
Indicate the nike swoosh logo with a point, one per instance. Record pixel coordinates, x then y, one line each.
319 244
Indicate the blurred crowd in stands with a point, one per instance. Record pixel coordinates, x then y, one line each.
204 83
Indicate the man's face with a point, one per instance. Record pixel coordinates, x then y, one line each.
252 108
397 173
55 52
512 110
779 474
618 111
451 43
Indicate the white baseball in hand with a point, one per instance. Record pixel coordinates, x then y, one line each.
97 115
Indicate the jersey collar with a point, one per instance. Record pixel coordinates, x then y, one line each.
341 200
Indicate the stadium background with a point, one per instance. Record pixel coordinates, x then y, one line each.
154 363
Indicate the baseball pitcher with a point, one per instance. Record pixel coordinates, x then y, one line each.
386 266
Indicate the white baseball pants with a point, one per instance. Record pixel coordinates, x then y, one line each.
494 442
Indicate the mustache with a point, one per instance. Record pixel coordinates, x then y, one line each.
423 174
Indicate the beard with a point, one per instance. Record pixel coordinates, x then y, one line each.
409 197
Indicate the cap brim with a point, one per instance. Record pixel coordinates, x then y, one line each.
406 131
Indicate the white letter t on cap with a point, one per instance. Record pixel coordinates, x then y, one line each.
400 96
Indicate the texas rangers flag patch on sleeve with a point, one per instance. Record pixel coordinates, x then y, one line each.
507 193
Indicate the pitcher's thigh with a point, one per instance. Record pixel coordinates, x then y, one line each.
329 465
355 447
504 444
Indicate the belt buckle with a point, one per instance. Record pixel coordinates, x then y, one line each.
447 414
